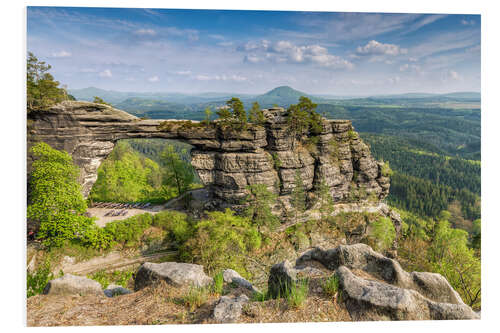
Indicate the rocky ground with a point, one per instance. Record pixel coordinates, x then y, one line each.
370 287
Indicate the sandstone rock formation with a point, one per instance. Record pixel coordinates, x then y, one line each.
73 285
231 276
176 274
373 286
227 161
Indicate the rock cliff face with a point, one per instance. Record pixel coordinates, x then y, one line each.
227 161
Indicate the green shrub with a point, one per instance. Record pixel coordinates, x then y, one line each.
276 161
37 280
176 224
218 283
296 293
120 278
383 233
195 297
331 285
221 241
130 230
386 170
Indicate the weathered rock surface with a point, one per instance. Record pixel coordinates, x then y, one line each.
73 285
373 300
114 290
176 274
384 291
227 161
231 276
228 309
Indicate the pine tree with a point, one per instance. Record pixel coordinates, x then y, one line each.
325 199
259 209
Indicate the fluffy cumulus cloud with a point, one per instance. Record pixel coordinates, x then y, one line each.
288 52
61 54
105 73
376 48
154 79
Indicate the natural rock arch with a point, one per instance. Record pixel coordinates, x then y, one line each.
226 161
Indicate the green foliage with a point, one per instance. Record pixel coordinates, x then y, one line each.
37 280
260 200
127 176
256 116
276 161
55 200
429 245
178 174
176 224
99 100
383 233
208 114
296 293
325 199
41 89
452 258
238 110
195 297
386 170
303 118
221 241
129 231
120 278
331 285
218 283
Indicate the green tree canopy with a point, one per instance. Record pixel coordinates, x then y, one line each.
259 210
41 89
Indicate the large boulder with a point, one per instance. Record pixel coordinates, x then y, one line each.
375 287
374 300
231 276
73 285
176 274
228 309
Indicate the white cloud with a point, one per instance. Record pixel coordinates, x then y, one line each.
468 22
223 77
376 48
286 51
403 67
106 73
225 44
154 79
412 59
453 75
183 72
145 32
61 54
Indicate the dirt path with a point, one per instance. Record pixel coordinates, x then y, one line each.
112 261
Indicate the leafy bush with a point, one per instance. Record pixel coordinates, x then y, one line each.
120 278
37 280
296 293
386 170
221 241
331 285
383 233
195 297
218 283
130 230
176 224
56 203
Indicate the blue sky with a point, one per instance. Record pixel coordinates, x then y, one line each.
193 51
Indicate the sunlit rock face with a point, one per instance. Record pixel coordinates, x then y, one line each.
227 161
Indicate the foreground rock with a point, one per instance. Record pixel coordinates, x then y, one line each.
373 300
73 285
231 276
375 287
114 290
228 309
176 274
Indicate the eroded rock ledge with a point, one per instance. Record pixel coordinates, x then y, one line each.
227 161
